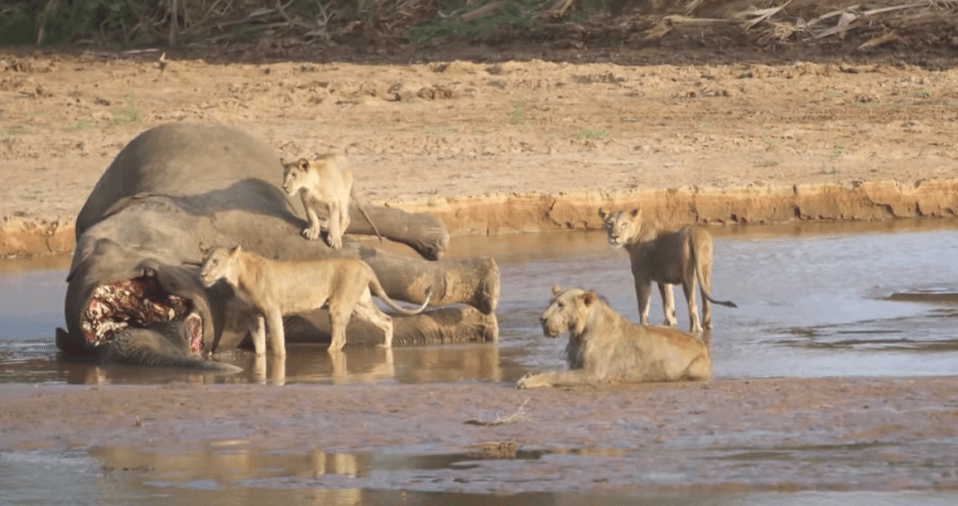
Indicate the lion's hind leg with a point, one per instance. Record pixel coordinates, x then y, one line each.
339 315
368 311
668 304
699 369
688 287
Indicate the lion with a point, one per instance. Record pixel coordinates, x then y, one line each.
280 287
328 181
668 258
604 347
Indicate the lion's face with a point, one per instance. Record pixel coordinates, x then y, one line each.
295 175
621 226
568 311
218 263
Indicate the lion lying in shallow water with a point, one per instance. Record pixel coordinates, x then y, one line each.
604 347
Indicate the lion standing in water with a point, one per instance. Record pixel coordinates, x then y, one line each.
668 258
604 347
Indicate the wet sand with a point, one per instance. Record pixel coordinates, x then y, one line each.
724 436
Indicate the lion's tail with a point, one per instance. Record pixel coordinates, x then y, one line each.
706 289
378 291
362 209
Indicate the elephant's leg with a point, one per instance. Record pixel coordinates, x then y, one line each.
424 233
474 280
458 324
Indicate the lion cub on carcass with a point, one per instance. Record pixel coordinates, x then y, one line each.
604 347
668 258
280 287
328 181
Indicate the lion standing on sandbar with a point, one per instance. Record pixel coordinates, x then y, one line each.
604 347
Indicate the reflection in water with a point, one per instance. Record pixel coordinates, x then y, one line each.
815 300
231 472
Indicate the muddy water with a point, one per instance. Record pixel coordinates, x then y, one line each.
814 300
238 476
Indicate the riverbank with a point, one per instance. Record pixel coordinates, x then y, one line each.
504 147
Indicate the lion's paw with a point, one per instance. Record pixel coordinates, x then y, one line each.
310 234
531 381
334 242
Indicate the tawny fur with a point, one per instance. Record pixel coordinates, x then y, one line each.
326 181
280 287
682 257
604 347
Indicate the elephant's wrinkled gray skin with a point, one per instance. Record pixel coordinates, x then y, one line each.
177 185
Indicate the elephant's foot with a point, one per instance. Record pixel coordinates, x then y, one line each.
485 296
459 324
463 324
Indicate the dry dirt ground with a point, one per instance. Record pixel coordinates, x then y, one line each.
499 140
505 145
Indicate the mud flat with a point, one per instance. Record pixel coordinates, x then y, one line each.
843 434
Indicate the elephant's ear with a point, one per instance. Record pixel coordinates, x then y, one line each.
556 290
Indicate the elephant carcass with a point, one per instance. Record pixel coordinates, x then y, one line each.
178 185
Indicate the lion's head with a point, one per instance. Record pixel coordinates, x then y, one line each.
295 175
219 263
621 226
568 311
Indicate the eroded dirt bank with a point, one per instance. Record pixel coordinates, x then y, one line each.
726 435
507 145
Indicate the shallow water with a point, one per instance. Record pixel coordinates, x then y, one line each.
814 300
819 300
221 474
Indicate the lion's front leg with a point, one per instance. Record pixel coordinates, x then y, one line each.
277 336
314 228
556 379
643 295
334 237
668 304
257 330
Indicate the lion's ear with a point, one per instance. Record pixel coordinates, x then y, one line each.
588 298
203 247
603 214
303 163
235 251
635 213
282 161
556 290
